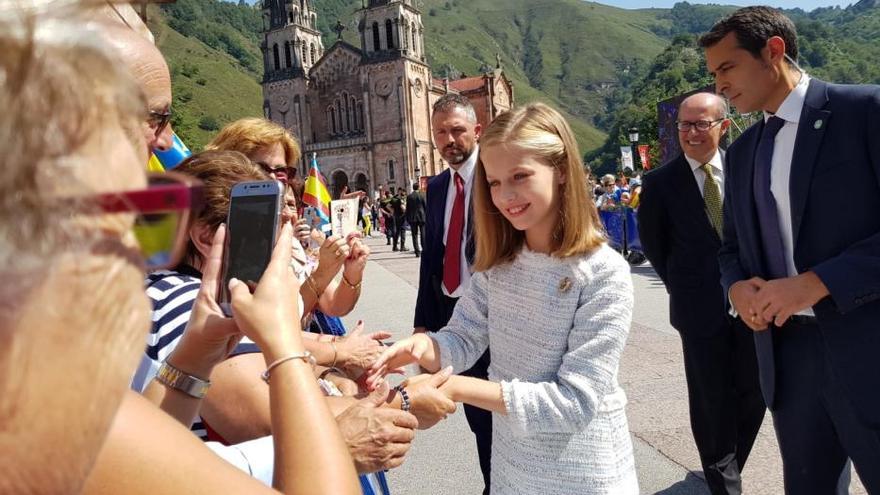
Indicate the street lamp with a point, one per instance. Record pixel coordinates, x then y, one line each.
634 139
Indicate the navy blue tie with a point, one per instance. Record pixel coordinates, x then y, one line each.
765 203
771 245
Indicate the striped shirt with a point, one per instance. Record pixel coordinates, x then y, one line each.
172 294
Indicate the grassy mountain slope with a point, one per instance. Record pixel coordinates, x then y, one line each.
210 87
569 53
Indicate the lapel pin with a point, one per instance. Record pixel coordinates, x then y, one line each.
817 124
564 284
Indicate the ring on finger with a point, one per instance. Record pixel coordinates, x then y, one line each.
338 253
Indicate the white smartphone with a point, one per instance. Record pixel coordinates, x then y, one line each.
252 229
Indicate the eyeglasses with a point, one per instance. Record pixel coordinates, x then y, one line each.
289 172
700 125
159 120
164 211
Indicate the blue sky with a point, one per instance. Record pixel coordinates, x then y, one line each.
786 4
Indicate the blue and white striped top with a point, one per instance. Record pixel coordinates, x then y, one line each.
172 294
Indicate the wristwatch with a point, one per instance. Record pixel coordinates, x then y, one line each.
174 378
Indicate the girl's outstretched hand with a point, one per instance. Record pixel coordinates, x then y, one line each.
407 351
269 316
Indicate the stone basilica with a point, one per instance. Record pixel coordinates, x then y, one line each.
365 111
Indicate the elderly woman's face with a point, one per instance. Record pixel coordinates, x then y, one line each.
81 330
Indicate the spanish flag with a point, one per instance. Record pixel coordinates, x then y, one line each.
316 193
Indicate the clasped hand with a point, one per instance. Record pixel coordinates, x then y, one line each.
760 302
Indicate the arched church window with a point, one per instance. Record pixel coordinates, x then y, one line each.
287 57
361 115
415 46
332 119
305 55
375 36
314 58
276 55
405 38
354 115
391 169
389 34
339 115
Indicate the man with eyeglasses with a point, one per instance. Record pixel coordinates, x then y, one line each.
679 221
146 63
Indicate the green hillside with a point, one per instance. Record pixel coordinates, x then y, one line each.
210 87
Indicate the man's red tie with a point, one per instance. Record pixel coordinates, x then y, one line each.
452 257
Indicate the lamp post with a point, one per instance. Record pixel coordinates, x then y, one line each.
634 140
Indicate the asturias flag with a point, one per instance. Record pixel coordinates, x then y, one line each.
316 193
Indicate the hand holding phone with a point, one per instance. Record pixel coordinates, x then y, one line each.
252 223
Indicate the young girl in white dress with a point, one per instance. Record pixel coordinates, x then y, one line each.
553 303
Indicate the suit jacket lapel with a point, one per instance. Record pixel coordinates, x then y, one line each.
684 183
811 130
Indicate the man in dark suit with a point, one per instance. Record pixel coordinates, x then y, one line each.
680 229
801 271
415 217
448 250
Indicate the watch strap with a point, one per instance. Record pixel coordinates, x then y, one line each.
172 377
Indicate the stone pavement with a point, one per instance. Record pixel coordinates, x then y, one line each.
443 459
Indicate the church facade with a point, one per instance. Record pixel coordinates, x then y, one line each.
364 111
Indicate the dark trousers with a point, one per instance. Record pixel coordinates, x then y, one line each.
389 228
399 235
816 425
417 229
726 406
479 420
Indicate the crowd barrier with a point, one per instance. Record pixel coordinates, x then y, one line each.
614 222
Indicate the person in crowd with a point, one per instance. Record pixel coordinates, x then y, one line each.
270 146
85 257
558 415
610 197
448 248
387 217
415 217
803 277
635 191
367 215
374 213
397 205
680 229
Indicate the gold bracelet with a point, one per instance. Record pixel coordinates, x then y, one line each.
350 285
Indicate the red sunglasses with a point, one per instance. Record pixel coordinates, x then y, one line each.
164 211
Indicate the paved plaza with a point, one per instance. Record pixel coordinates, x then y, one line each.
443 460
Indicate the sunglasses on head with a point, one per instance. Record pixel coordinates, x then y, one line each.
163 213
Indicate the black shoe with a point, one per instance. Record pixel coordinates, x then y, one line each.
404 249
395 249
418 254
388 242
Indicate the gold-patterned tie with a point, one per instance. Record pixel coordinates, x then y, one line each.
712 198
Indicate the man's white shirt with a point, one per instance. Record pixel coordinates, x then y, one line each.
700 175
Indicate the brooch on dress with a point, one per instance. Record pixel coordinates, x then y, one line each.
564 284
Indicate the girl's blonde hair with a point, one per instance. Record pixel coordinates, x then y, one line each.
252 134
542 131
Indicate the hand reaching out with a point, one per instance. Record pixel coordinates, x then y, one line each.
427 401
358 350
407 351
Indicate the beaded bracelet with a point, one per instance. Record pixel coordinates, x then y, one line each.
404 398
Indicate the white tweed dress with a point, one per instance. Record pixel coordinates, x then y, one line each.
556 329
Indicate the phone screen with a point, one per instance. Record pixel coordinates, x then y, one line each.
252 224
